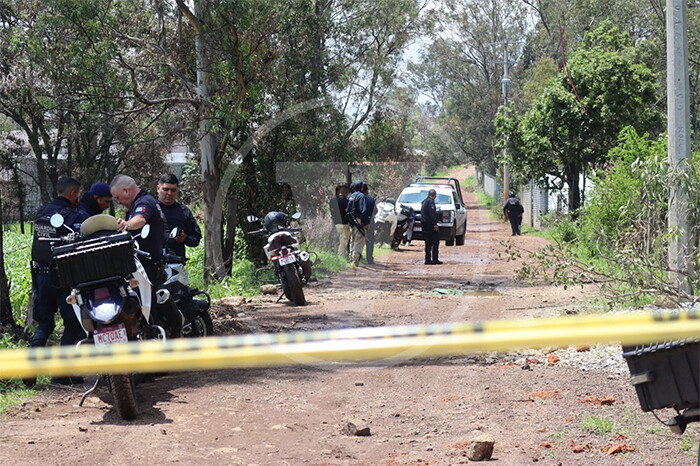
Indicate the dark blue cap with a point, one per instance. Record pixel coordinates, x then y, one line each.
100 189
356 185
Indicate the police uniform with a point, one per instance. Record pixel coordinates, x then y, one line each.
147 206
180 216
429 218
515 210
48 297
371 207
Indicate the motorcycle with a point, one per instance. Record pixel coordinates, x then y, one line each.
291 265
385 221
404 221
110 293
198 322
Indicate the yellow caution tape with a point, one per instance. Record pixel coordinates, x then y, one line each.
362 344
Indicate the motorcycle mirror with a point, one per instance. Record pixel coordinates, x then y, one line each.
57 220
174 232
296 216
252 218
145 231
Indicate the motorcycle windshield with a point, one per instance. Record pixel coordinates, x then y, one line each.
104 304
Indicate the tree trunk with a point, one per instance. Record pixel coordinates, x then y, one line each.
6 317
572 179
211 171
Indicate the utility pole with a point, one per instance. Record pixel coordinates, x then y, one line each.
506 90
679 251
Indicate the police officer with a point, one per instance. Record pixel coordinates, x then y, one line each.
48 297
142 209
177 215
371 206
513 211
338 206
95 201
429 219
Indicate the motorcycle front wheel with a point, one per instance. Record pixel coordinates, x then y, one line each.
202 326
124 395
292 285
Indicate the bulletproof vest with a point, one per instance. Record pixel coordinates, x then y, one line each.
41 250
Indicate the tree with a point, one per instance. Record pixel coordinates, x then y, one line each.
459 72
562 136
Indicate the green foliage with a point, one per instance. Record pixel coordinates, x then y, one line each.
13 392
600 425
634 189
561 136
17 254
620 240
688 443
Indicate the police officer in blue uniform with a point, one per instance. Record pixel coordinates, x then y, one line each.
429 219
48 297
177 215
142 209
371 206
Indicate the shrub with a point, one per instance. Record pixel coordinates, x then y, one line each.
17 249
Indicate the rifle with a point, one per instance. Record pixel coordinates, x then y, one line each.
353 222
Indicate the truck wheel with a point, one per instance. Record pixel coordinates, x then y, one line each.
460 238
451 240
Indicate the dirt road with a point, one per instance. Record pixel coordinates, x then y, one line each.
419 412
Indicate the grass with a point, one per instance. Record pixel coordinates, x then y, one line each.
688 443
600 425
13 392
447 171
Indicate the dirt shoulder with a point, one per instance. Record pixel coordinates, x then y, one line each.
424 411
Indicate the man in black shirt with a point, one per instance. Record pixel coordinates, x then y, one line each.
95 201
428 220
177 215
513 210
339 204
142 209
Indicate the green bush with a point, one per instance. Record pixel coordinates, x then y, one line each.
243 280
17 249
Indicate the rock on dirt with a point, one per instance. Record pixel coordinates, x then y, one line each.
481 448
233 301
268 289
352 429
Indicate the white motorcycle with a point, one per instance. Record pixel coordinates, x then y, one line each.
385 221
110 294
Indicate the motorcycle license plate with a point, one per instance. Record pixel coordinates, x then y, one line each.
110 335
288 259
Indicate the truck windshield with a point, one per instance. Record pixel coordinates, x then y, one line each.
418 197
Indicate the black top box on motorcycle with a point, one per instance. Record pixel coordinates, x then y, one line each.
95 259
665 374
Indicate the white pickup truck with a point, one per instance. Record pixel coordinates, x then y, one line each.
452 212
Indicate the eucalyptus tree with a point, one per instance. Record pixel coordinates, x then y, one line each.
461 74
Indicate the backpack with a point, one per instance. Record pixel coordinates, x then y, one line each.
41 250
355 207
